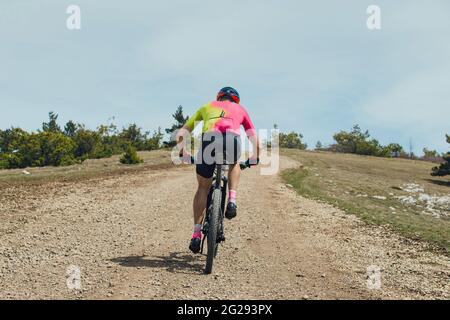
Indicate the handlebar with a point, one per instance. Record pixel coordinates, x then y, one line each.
243 165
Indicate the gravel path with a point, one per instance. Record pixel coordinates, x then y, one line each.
128 236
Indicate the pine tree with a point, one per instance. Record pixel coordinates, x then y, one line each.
319 145
52 124
180 121
70 128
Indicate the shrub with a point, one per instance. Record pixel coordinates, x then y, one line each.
56 147
87 142
292 140
130 156
444 168
154 142
48 149
358 142
4 163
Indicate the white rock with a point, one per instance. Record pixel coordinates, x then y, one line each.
412 188
424 197
362 195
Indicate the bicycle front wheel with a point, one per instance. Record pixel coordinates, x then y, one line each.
214 216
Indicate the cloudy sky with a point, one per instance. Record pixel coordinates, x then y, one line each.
309 66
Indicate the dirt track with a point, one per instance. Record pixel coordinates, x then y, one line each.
129 234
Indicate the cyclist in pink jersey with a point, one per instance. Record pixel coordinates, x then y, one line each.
222 121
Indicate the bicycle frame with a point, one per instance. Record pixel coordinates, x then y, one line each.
217 183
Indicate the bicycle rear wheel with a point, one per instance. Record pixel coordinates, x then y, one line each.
214 217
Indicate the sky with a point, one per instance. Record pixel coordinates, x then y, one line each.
309 66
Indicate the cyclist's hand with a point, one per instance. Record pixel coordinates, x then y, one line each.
250 162
254 161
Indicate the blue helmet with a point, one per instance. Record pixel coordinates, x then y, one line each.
229 92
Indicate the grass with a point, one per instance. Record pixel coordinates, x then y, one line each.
350 182
89 169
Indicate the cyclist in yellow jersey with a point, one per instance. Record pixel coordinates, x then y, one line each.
222 120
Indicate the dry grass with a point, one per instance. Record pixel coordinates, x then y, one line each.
350 182
92 168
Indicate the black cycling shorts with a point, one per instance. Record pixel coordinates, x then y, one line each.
216 147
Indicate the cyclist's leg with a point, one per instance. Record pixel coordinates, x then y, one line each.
233 153
201 196
233 181
205 171
204 178
234 174
199 206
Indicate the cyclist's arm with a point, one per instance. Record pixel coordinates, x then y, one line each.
187 128
251 134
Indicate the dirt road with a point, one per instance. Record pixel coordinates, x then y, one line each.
128 234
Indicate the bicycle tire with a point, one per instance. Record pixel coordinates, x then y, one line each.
214 217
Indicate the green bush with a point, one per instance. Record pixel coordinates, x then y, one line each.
39 149
47 149
4 163
87 142
154 142
12 139
291 140
130 156
444 168
358 142
56 147
134 135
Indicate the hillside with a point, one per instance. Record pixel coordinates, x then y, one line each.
126 229
398 193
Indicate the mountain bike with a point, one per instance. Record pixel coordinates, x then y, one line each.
212 229
212 226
